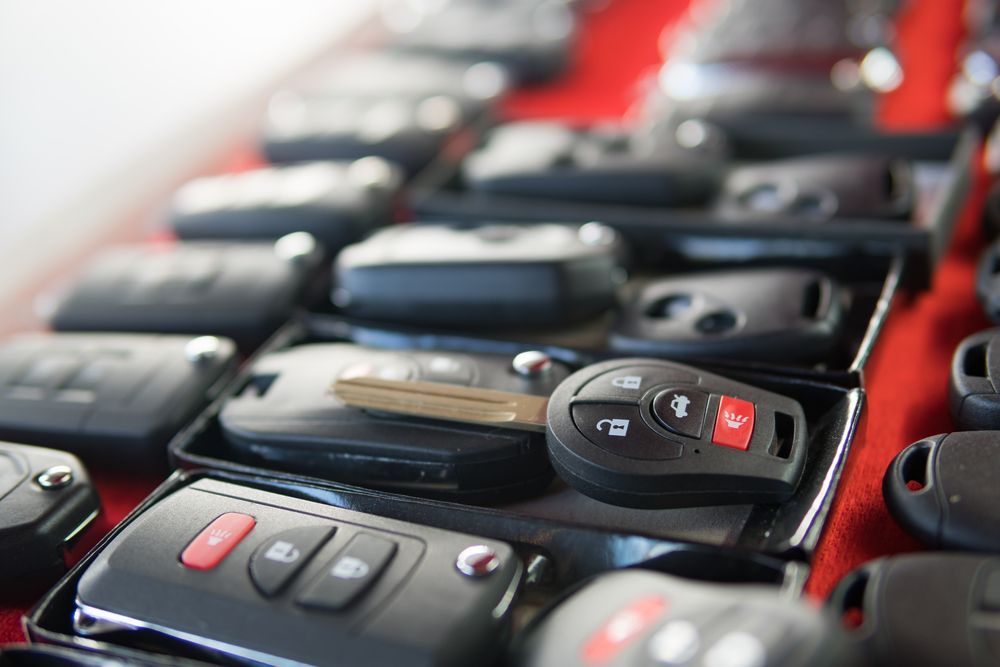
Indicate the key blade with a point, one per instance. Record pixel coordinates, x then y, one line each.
435 400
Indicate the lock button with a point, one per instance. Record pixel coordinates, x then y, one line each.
350 573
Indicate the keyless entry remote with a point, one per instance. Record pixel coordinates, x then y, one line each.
988 281
637 618
634 432
274 580
46 501
494 275
285 418
974 385
943 490
776 315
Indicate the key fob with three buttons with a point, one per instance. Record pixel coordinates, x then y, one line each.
272 579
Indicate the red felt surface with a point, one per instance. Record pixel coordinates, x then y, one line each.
907 376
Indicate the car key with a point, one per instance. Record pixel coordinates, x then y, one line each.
776 315
46 502
488 276
336 202
642 618
41 655
974 382
284 418
243 291
988 281
924 609
275 580
941 489
114 399
633 432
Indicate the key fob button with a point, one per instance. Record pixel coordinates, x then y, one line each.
682 410
350 573
734 423
217 539
276 561
629 383
619 429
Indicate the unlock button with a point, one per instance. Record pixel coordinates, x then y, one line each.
619 429
276 561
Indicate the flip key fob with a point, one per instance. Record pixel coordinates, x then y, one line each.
494 275
975 379
275 580
111 398
655 434
758 314
336 202
641 618
943 490
988 282
286 418
925 610
46 501
240 290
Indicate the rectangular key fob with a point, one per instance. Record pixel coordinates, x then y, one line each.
489 276
115 399
778 315
269 579
46 501
336 202
286 418
243 291
974 383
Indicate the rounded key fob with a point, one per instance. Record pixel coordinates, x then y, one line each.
988 281
655 434
943 490
972 390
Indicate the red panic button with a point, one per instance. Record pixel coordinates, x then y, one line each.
216 541
624 625
733 423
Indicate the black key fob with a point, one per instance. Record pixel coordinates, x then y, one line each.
778 315
943 490
46 501
286 418
489 276
274 580
115 399
551 160
243 291
41 655
975 379
817 189
638 618
655 434
988 281
336 202
925 610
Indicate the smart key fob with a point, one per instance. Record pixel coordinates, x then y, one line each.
218 569
776 315
974 384
286 418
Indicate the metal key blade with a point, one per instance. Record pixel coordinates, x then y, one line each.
435 400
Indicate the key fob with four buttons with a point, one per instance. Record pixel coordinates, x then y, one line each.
638 618
974 384
46 501
756 314
286 418
271 579
115 399
336 202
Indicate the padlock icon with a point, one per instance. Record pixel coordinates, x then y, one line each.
616 427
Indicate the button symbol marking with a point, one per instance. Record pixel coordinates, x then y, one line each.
283 552
733 420
680 405
616 427
350 567
217 536
627 381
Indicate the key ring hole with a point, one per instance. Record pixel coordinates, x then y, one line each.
670 307
913 466
716 323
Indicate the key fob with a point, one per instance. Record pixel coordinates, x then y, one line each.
551 160
817 189
243 291
488 276
46 501
336 202
115 399
641 618
286 418
942 490
654 434
41 655
973 386
275 580
925 609
775 315
988 281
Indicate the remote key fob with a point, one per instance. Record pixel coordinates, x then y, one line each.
42 655
336 202
275 580
489 276
115 399
988 281
943 490
244 291
638 618
285 418
974 385
46 501
925 610
778 315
